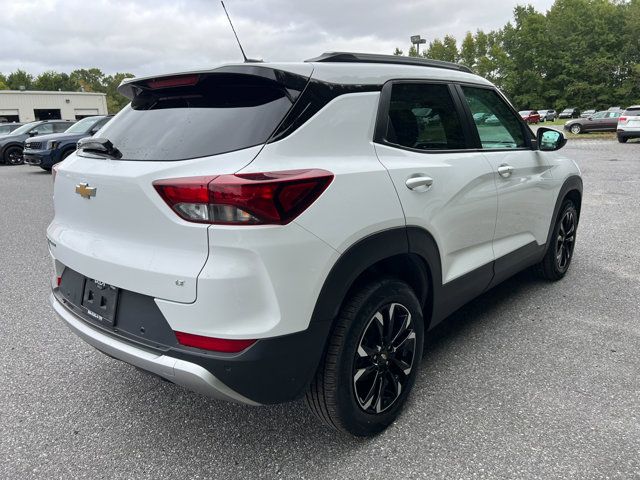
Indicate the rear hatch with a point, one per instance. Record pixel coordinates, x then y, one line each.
111 224
630 119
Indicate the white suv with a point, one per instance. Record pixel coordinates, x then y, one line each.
263 232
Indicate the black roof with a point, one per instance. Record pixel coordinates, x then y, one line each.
351 57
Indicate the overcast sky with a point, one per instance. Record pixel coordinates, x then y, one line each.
155 36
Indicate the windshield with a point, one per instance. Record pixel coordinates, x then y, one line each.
525 112
568 110
24 128
83 126
221 113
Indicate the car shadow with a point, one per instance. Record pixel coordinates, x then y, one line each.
225 428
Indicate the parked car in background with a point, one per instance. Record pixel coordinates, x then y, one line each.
598 122
530 116
615 109
569 113
12 145
588 113
6 128
548 115
629 124
47 150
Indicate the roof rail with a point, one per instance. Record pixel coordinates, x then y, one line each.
352 57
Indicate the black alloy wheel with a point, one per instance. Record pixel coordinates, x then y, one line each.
565 240
384 358
13 156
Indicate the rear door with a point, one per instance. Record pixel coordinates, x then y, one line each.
523 177
443 186
111 224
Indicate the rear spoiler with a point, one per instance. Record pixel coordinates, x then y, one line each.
133 86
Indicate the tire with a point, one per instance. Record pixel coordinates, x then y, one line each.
576 129
353 367
622 139
66 153
13 156
559 254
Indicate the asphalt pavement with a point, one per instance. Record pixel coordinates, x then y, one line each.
532 380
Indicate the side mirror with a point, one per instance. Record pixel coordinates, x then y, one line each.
33 133
550 140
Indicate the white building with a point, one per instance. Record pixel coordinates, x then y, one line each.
28 106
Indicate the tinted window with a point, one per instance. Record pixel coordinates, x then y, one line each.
501 128
82 126
632 112
43 129
423 116
221 113
4 129
61 127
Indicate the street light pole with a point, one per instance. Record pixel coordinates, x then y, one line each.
417 40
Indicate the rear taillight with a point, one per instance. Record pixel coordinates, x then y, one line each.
271 198
622 119
214 344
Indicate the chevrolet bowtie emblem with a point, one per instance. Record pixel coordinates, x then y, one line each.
85 191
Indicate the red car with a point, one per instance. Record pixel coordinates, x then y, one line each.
530 116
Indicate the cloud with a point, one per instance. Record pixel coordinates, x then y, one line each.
156 36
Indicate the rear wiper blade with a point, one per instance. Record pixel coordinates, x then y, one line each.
99 146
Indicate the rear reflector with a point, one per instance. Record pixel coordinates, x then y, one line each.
271 198
214 344
177 81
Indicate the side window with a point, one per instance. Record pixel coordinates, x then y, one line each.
61 127
423 116
43 129
498 126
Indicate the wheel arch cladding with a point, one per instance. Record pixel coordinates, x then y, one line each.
571 190
385 253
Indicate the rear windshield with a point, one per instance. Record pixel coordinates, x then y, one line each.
632 112
221 113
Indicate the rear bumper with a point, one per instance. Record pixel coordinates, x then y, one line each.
189 375
273 370
628 133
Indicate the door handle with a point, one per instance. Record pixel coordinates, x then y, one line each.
505 170
421 183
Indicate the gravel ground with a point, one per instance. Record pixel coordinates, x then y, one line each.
531 380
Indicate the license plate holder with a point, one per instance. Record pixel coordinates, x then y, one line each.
100 301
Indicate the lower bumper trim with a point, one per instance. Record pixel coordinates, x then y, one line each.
184 373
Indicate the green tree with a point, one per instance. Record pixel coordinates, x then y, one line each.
115 101
19 79
468 51
3 82
54 81
90 80
446 49
398 52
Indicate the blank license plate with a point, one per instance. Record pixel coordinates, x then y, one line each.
100 300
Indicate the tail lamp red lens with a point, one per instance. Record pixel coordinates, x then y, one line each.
270 198
214 344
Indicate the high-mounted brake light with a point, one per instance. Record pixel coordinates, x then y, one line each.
214 344
271 198
177 81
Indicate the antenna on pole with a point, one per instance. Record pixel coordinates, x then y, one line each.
246 60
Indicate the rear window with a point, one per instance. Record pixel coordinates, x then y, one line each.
221 113
632 112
